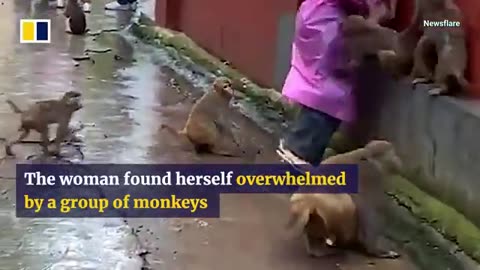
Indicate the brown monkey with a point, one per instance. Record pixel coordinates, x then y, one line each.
349 220
365 38
441 54
43 113
208 127
399 61
76 21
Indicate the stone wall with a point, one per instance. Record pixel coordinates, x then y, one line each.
438 138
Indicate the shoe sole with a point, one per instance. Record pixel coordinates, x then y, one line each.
285 158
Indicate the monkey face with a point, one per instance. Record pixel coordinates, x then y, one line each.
223 86
73 100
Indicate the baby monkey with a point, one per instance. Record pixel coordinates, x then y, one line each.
43 113
76 22
441 54
208 128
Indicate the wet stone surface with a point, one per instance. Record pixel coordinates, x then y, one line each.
129 90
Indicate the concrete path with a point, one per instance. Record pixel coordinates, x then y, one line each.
129 91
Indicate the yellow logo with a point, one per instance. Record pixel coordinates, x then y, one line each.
35 31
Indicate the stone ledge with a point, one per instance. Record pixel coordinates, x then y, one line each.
431 232
437 137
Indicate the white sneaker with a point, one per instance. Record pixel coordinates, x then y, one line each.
116 6
289 157
87 7
60 3
133 6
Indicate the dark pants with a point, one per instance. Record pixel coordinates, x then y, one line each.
310 134
124 2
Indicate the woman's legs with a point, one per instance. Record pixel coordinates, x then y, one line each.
87 5
122 5
308 137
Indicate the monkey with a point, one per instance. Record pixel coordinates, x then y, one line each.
75 18
207 127
441 54
399 60
364 38
348 220
43 113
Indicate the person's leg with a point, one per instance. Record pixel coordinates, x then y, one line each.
308 137
87 6
122 5
60 3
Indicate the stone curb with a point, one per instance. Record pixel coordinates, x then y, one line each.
420 223
146 30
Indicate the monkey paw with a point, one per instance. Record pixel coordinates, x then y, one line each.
390 255
419 81
436 91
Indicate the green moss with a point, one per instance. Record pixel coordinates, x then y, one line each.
446 220
342 143
146 31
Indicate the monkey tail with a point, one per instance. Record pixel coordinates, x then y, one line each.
172 130
185 141
14 106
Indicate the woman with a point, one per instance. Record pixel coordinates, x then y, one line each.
320 80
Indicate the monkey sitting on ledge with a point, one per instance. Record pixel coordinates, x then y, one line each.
348 220
43 113
441 54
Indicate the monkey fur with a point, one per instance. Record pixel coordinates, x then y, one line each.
441 54
348 220
364 38
208 128
76 20
399 60
43 113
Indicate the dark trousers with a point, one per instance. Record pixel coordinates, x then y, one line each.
310 134
124 2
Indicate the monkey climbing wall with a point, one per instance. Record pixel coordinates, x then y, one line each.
255 36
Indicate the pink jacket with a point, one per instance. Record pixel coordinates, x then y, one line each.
318 77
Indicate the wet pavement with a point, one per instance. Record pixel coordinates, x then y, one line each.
129 92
